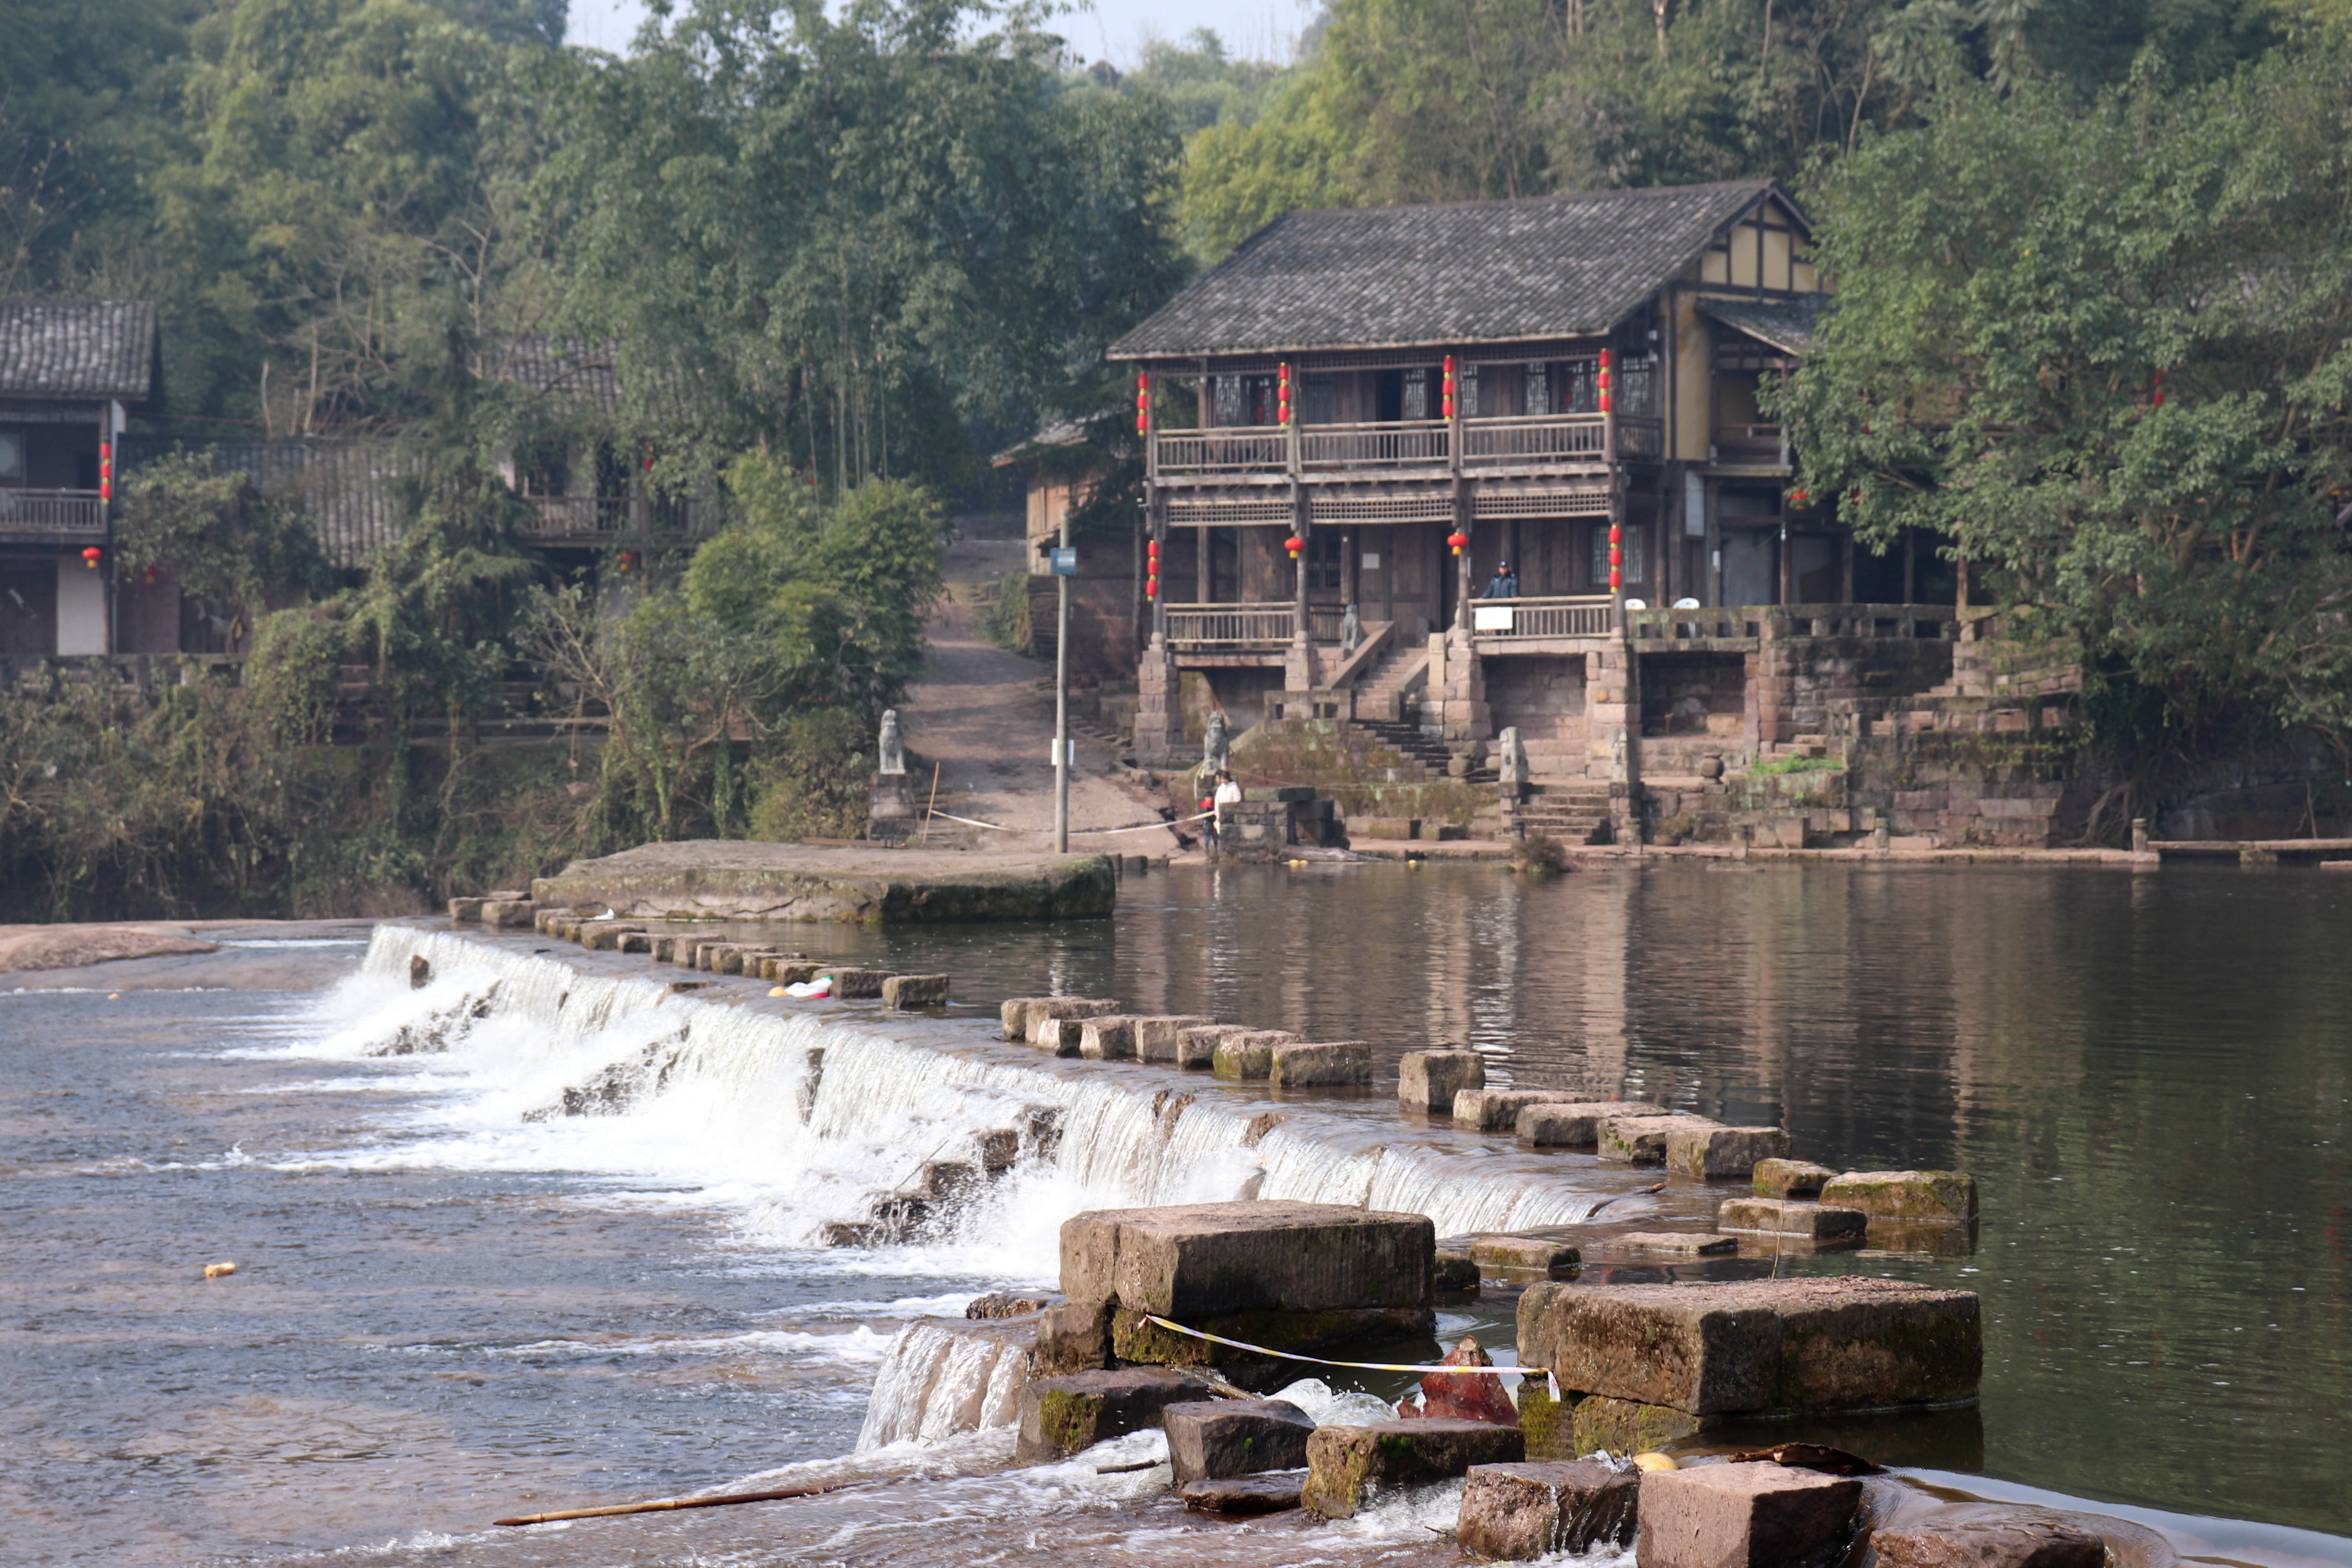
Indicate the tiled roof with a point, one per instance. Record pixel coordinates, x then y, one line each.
1467 272
1784 324
77 348
568 368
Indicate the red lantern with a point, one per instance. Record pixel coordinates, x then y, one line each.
1282 400
1457 543
105 473
1616 558
628 561
1294 544
1152 549
2157 387
1142 403
1447 402
153 576
1801 498
1604 384
92 556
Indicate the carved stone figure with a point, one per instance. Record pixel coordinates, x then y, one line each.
1511 761
889 746
1215 749
1351 631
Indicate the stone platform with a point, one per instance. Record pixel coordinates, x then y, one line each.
732 879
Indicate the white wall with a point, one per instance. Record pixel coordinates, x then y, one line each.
81 607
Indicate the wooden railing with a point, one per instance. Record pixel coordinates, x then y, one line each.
1924 623
47 514
1239 449
1231 626
1395 445
1639 438
1753 444
573 516
1537 438
1325 621
1508 620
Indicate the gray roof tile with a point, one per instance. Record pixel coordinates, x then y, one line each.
77 348
1784 324
1567 266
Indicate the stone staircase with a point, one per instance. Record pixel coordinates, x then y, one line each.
1573 811
1387 705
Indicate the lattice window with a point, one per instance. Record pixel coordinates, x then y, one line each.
1539 503
1323 555
1416 395
1221 514
1382 509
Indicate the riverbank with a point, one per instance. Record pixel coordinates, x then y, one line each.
736 879
180 955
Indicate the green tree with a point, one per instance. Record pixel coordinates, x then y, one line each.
2102 353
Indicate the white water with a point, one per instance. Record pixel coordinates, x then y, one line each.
707 1104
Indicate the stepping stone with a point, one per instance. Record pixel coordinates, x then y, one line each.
1990 1538
1642 1140
1273 1492
1784 1216
1553 1259
1743 1515
1427 1081
1905 1194
1497 1109
1512 1512
1576 1123
1213 1439
1344 1064
1346 1466
1161 1039
902 991
1789 1178
1249 1056
1688 1244
1064 1416
1709 1152
1108 1038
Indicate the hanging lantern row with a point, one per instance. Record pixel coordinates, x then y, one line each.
1282 400
1800 500
1294 544
91 556
1457 542
1616 557
1151 569
105 473
1142 403
1606 383
1446 400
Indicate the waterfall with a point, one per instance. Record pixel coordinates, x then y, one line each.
805 1123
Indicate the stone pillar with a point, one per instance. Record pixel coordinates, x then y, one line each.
1159 716
1613 744
1464 714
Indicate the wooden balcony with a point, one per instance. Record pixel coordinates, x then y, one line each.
1751 445
1495 624
1537 442
1231 628
52 517
599 520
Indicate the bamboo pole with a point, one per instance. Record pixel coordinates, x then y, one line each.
666 1505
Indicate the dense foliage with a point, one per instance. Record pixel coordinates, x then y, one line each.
2102 350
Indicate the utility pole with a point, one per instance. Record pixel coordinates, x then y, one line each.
1065 566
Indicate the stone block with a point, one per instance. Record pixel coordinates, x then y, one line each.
1337 1063
1160 1037
1711 1152
1754 1515
1790 1217
1989 1536
1513 1513
1067 1414
915 991
1048 1009
1497 1109
1681 1242
464 912
1196 1048
1210 1439
1454 1272
1427 1081
1108 1038
790 971
1642 1140
1342 1331
1788 1178
1249 1056
1270 1493
1905 1194
635 942
1271 795
1528 1253
1073 1336
1012 1016
1781 1346
1576 1123
1385 828
1563 1429
606 936
857 984
1191 1261
1346 1466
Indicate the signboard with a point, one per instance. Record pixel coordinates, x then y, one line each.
1065 561
1490 617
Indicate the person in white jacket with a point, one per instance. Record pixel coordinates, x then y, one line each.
1228 793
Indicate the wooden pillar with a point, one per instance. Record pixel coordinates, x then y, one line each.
1788 564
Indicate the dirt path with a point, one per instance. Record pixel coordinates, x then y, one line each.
986 717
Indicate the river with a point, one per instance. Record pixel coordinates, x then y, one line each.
451 1305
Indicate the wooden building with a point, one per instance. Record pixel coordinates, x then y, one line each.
72 372
1377 408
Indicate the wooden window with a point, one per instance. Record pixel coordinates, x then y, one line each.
1538 389
1633 553
1413 399
1322 401
1324 551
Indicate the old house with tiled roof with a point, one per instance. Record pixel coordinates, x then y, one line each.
1457 470
71 373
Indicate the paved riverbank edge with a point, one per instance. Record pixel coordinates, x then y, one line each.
735 879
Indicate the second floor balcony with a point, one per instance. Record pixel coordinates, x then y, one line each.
1538 443
52 517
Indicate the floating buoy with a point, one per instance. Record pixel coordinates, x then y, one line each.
215 1270
779 991
1654 1462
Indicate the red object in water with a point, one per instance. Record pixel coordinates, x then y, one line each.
1466 1395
